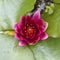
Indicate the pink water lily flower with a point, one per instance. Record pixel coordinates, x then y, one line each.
31 29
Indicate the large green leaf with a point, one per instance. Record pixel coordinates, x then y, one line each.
47 50
11 10
53 21
44 50
10 50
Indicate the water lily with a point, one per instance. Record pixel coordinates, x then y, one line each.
31 29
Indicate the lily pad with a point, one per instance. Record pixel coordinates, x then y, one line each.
56 1
44 50
11 10
53 21
47 50
10 50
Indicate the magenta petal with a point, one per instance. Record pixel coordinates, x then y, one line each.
43 36
36 15
15 26
16 35
35 40
22 43
22 21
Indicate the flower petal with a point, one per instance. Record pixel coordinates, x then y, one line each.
17 35
22 21
36 15
43 36
15 26
41 24
46 26
22 43
35 40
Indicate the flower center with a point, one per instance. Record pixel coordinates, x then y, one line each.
29 30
